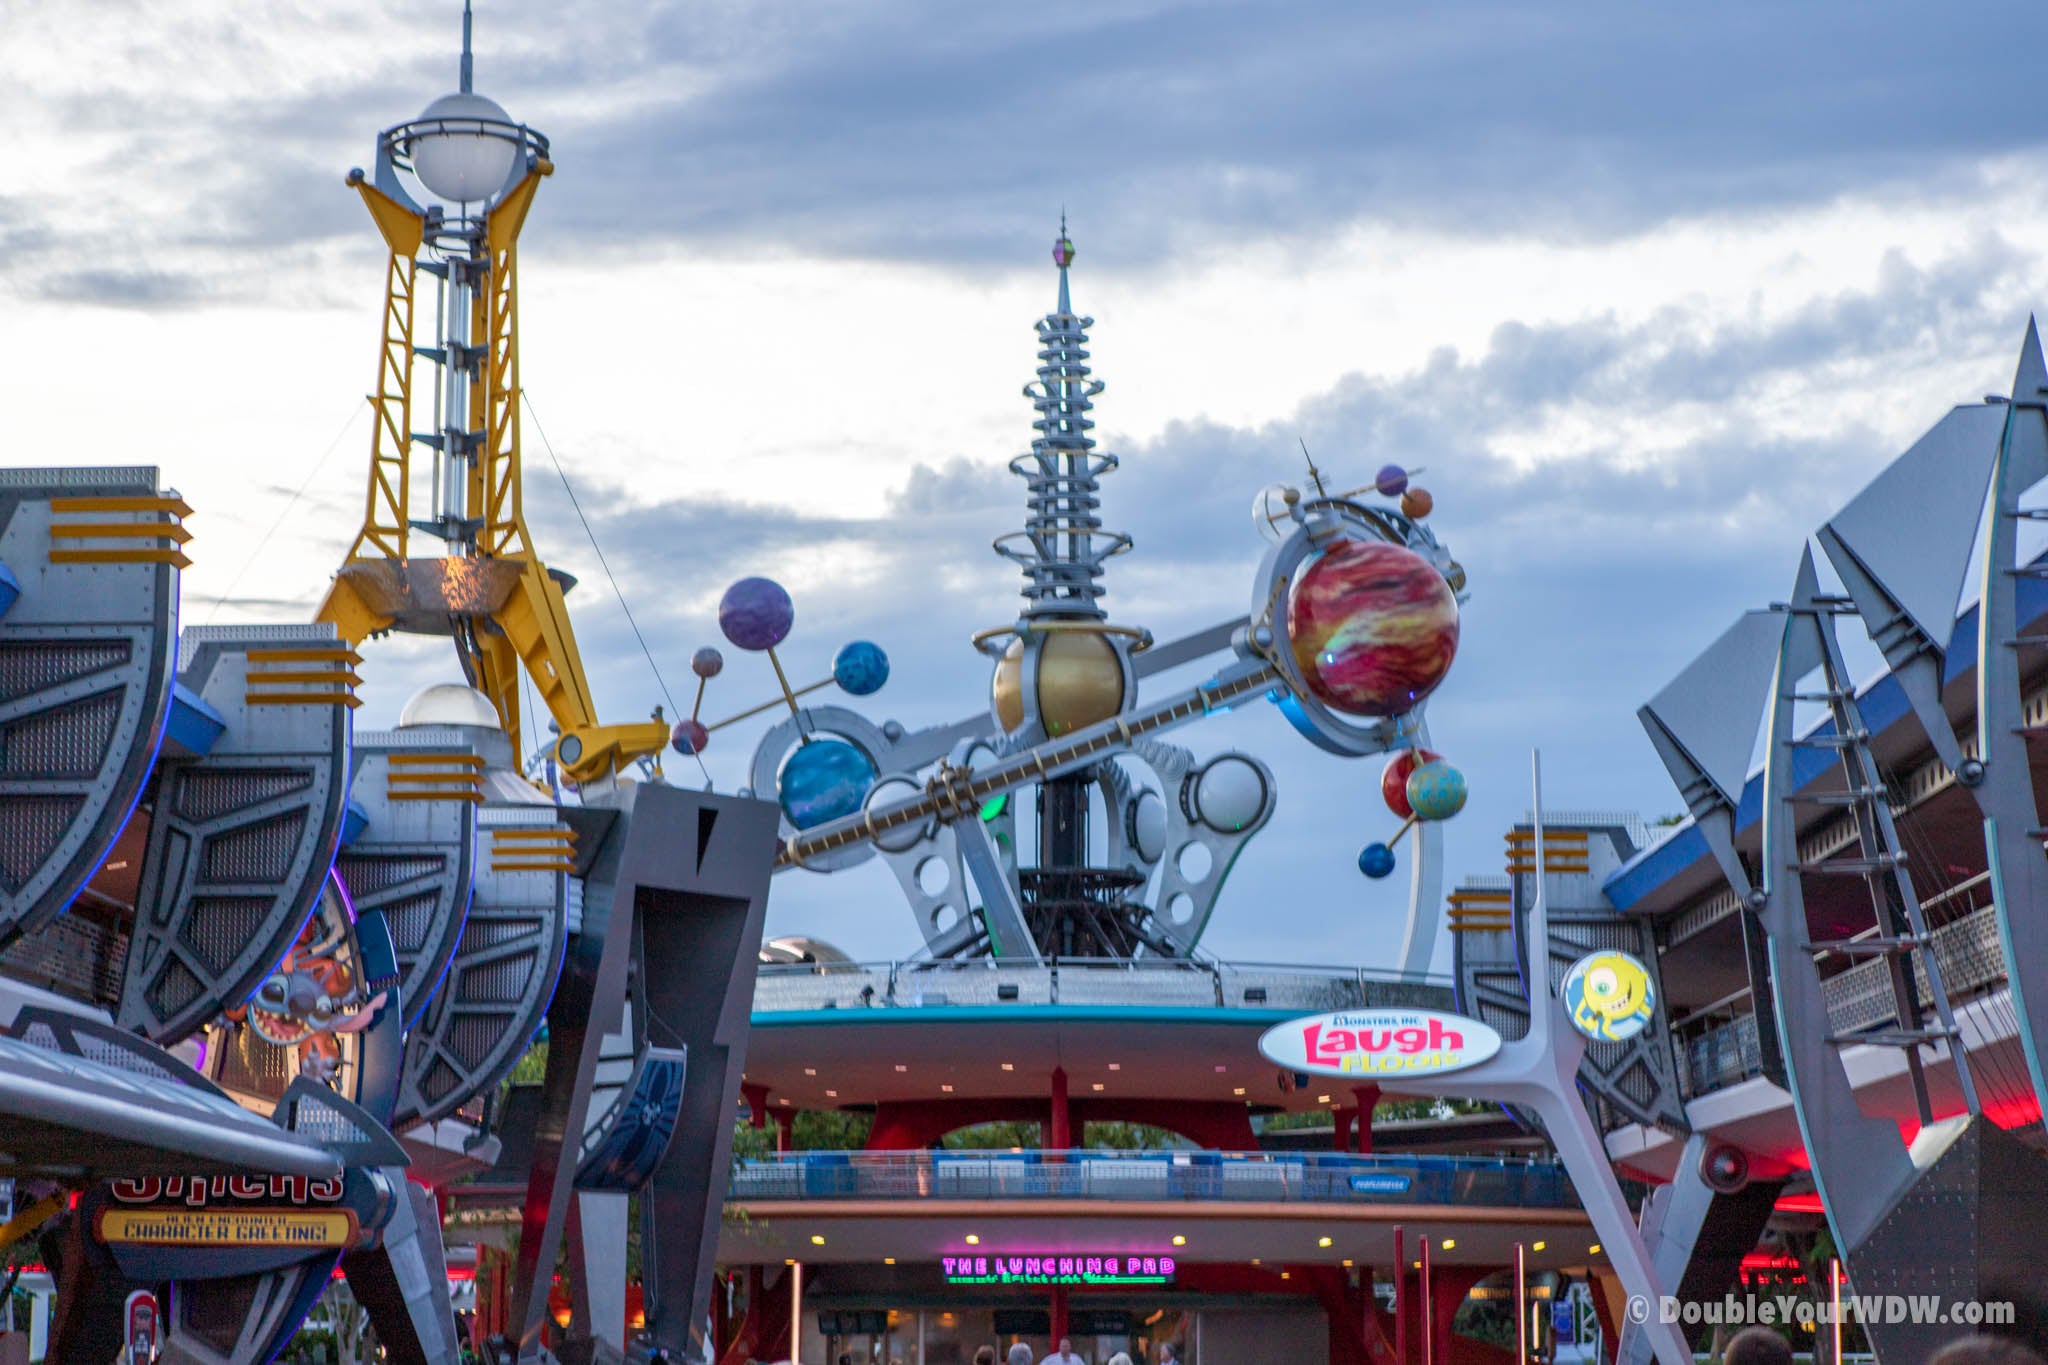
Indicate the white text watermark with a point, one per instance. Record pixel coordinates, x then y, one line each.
1793 1310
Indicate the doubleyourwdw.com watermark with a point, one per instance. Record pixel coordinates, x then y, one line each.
1791 1310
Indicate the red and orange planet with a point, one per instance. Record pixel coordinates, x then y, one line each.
1374 627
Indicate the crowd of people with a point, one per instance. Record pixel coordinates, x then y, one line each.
1021 1354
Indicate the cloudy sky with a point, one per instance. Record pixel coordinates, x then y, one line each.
1647 290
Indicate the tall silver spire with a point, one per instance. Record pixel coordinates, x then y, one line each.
1063 546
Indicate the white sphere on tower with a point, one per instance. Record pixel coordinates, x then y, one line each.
460 156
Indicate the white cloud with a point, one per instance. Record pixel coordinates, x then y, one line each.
1627 428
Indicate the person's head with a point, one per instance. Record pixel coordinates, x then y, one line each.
1066 1346
1120 1358
1167 1353
1020 1354
1757 1346
1985 1351
986 1355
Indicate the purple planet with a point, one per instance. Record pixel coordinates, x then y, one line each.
756 613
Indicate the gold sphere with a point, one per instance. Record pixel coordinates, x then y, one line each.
1007 687
1080 681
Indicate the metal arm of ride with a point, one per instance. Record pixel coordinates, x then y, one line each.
495 596
956 793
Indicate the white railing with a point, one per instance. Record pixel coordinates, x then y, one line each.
1154 983
1860 998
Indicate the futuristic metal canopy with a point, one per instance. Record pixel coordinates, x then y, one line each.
73 1118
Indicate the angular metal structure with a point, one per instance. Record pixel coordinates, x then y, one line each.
2004 781
89 1102
415 856
681 880
241 837
625 1144
1538 1073
86 659
504 969
1636 1078
1697 1236
1952 1212
1906 586
1859 1163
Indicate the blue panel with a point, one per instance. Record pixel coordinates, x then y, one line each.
194 726
10 588
627 1156
383 1042
353 822
1883 705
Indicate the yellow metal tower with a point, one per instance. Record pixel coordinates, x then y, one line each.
485 584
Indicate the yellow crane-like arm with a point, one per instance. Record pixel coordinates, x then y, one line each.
509 609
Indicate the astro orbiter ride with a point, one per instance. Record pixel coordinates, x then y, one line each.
1353 622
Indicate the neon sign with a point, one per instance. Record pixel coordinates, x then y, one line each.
1047 1270
1380 1043
199 1191
225 1211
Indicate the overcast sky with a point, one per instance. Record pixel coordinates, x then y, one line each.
1648 290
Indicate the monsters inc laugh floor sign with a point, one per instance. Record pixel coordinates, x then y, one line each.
1380 1044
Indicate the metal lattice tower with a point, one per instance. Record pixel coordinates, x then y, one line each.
1062 547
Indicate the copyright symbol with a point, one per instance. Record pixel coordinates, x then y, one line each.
1638 1309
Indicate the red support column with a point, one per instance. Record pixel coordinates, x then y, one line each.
1059 1314
1427 1302
785 1129
1402 1296
1060 1137
757 1103
1449 1286
1368 1097
1606 1287
1340 1133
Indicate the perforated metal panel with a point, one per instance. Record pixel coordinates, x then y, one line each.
1637 1079
496 992
85 674
240 839
415 860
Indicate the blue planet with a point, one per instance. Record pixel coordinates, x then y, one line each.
861 668
822 781
1376 860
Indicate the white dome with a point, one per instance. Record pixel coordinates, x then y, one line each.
449 704
1148 826
1229 794
466 162
794 948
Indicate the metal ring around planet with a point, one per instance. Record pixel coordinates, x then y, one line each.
839 722
1140 638
1316 722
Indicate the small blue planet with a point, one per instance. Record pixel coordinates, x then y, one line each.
1376 860
861 668
823 781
